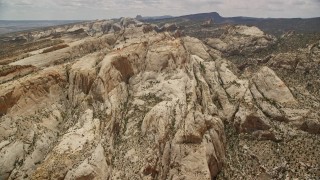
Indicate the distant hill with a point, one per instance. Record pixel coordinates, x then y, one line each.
280 25
139 17
204 16
275 26
269 25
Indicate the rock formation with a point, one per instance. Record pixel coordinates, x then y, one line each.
241 40
137 104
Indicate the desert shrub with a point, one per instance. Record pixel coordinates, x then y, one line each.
7 69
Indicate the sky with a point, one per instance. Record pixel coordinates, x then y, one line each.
105 9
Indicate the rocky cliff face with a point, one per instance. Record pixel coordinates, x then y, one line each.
150 105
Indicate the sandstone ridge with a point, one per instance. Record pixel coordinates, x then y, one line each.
148 105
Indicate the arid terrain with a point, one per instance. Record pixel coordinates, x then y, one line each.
7 26
168 99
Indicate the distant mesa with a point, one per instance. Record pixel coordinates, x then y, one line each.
140 17
205 16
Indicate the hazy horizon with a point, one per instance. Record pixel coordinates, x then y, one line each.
106 9
152 16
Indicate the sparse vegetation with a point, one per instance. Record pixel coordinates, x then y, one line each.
152 98
202 67
11 51
54 48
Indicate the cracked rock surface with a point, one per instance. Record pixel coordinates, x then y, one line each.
134 104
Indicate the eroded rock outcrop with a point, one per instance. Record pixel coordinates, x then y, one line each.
114 95
241 40
146 105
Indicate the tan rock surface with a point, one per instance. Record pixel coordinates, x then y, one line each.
241 39
136 104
